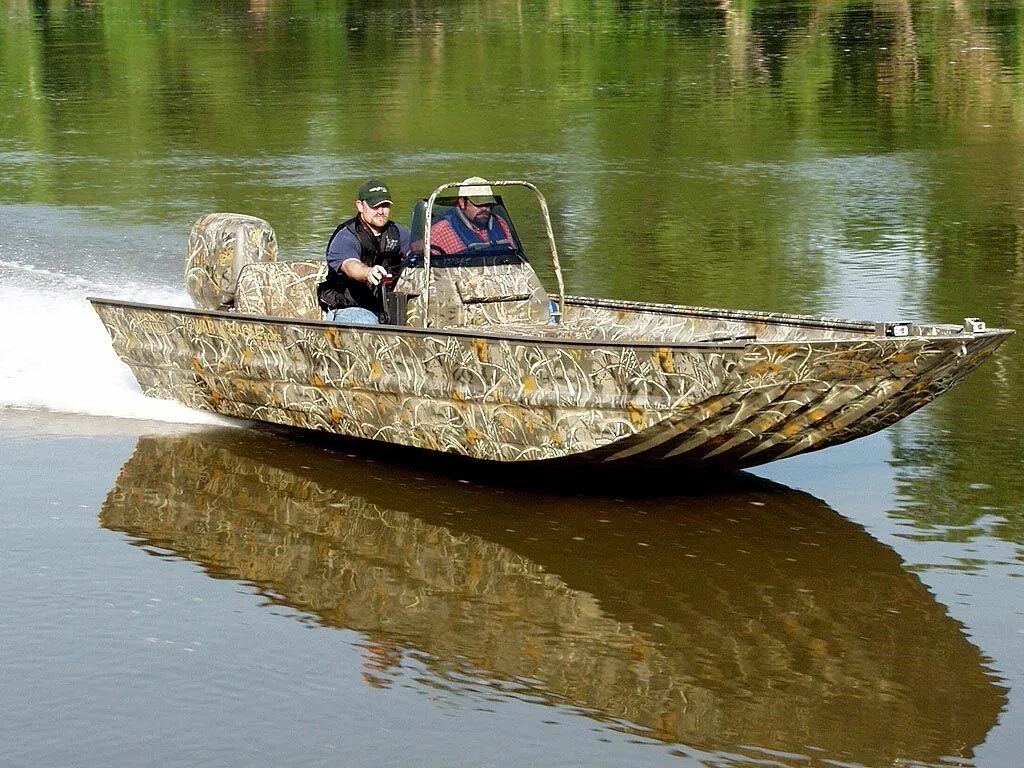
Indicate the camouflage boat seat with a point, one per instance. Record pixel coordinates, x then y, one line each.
232 263
478 295
280 289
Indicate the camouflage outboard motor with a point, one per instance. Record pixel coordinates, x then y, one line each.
219 245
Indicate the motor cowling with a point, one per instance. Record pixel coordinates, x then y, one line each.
219 245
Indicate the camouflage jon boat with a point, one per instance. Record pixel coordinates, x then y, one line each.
477 359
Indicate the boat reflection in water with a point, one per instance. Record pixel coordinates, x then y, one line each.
736 621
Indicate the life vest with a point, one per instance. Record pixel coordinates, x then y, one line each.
498 237
339 290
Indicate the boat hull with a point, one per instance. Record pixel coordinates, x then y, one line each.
516 398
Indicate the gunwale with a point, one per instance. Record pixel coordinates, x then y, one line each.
866 328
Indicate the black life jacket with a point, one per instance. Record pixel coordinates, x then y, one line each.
339 290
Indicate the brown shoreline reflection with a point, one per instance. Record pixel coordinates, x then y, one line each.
740 621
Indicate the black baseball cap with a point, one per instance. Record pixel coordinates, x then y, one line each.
373 192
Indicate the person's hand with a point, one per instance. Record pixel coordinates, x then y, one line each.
376 274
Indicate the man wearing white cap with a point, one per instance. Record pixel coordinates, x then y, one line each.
471 225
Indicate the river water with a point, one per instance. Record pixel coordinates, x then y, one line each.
179 589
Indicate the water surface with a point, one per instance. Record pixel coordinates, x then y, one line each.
175 595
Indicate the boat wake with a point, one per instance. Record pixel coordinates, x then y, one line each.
55 354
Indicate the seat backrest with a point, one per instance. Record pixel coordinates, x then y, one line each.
280 289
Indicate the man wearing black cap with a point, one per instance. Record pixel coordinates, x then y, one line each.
361 253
